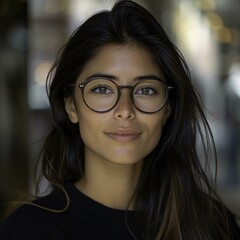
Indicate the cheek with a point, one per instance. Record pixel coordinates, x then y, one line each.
155 128
155 136
87 126
90 127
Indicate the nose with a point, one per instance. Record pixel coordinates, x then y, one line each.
124 108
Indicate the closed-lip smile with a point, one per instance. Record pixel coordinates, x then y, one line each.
123 135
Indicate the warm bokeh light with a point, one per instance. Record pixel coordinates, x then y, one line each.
223 35
196 40
41 72
206 4
214 20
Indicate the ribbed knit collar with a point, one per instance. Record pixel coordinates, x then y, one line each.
91 209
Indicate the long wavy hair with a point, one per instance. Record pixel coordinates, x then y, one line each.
174 196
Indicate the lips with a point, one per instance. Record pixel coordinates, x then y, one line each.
123 135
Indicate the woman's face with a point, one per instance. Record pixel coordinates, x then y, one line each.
124 135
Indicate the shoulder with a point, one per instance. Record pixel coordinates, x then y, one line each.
32 220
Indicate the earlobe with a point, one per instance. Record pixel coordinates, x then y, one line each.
71 109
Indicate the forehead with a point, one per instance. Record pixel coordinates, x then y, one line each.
122 61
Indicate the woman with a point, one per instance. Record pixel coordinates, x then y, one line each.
122 157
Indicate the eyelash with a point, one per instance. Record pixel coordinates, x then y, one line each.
97 88
148 88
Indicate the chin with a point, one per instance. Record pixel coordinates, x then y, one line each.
126 160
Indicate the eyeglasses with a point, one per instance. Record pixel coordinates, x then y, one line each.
102 95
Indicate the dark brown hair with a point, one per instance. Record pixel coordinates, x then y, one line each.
174 197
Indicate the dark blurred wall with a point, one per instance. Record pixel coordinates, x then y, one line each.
13 98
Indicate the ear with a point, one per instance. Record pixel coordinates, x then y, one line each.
71 109
167 113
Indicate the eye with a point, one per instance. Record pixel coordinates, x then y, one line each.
102 90
147 91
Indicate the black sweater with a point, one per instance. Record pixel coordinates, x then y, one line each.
84 219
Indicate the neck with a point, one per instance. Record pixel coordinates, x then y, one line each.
110 184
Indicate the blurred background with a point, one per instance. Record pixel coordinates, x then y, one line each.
31 33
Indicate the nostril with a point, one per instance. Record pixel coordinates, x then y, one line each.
125 110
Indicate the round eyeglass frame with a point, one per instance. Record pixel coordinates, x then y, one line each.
119 88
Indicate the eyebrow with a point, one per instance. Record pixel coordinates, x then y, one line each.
101 75
114 78
148 77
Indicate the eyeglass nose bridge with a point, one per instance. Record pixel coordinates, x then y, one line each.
119 88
